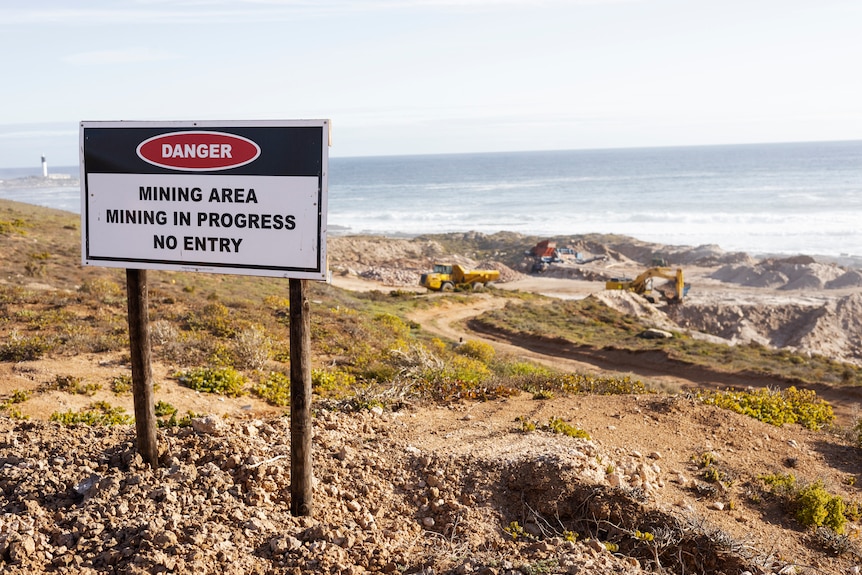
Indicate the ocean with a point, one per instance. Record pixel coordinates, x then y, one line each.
794 198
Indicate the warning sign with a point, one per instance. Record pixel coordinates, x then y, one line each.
237 197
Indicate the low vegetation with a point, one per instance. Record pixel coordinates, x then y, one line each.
775 407
589 323
99 413
811 505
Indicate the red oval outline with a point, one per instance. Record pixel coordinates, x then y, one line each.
208 168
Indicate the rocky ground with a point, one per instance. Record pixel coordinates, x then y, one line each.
457 489
468 487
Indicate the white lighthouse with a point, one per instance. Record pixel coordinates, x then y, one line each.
44 167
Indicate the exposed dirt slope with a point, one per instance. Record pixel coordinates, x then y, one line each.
423 489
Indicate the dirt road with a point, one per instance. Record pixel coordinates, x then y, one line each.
452 320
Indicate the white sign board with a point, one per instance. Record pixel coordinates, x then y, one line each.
224 197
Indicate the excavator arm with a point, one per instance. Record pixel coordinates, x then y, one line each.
643 283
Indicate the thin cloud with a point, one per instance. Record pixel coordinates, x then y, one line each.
20 133
248 11
123 56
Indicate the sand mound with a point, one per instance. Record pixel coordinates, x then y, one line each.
797 273
831 329
849 279
632 304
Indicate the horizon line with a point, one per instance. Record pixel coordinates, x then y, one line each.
535 151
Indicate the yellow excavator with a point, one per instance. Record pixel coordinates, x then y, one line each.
643 284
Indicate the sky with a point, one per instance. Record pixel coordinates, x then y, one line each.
436 76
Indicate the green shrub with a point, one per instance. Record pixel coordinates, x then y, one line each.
523 369
214 318
99 413
478 350
18 396
515 531
15 226
393 324
817 507
598 384
557 425
274 389
775 407
554 425
24 349
812 505
102 288
220 380
467 369
332 382
121 384
163 409
184 421
75 385
527 425
15 413
780 484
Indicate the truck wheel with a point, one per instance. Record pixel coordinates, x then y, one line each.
447 286
478 286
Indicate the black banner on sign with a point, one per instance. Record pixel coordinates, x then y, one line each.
294 152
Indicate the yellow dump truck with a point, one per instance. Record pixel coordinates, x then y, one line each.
446 277
643 284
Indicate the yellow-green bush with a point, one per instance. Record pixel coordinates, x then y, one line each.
557 425
523 369
103 289
779 483
18 396
554 425
75 385
220 380
817 507
16 226
99 413
791 405
121 384
332 382
812 505
274 389
393 324
164 409
24 349
214 318
599 384
478 350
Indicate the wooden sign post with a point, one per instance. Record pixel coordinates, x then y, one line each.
236 197
300 402
142 373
